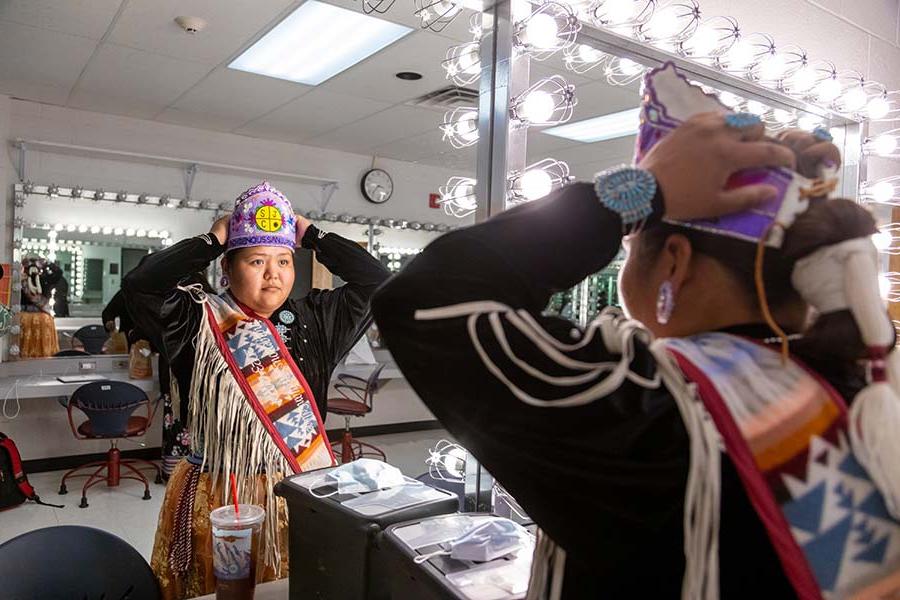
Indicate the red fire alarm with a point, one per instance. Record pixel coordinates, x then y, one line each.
434 200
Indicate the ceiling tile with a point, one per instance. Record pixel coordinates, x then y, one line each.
312 114
237 96
414 148
619 151
149 25
395 123
40 65
132 82
199 120
85 18
420 51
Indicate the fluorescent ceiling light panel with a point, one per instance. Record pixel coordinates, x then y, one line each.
316 42
598 129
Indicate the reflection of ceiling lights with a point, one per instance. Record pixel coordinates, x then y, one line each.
302 47
463 63
460 126
550 101
458 197
598 129
581 58
538 180
882 191
712 38
621 15
884 144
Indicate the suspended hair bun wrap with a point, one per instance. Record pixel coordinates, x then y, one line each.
844 276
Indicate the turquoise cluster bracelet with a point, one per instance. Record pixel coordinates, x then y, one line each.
627 191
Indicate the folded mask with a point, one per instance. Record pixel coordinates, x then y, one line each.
363 475
487 541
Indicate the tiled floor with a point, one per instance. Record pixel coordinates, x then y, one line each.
122 512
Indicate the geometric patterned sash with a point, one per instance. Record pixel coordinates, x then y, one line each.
785 430
272 384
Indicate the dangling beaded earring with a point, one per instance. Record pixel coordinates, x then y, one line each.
223 282
665 302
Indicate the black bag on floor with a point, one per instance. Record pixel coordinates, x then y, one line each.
14 486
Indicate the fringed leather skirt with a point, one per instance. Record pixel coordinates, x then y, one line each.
182 550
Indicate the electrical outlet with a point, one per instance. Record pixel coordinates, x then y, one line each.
87 366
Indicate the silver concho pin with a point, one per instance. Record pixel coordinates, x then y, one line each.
286 317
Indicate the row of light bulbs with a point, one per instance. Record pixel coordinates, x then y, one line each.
677 27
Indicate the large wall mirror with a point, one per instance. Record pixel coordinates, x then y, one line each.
461 113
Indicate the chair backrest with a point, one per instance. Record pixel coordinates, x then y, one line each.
92 337
373 384
108 405
71 561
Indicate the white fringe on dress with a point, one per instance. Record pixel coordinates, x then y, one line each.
231 437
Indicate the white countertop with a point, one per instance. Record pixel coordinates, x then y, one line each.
48 386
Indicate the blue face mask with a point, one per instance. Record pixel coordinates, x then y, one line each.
363 475
485 542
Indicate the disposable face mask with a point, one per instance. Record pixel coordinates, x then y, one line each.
363 475
487 541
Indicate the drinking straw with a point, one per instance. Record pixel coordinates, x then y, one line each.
237 512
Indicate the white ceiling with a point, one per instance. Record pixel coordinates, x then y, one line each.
128 57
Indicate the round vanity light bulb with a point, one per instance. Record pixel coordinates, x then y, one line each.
82 229
469 62
783 116
884 286
883 191
538 106
704 41
629 67
542 31
854 99
772 67
118 231
164 234
463 196
882 240
535 183
107 230
828 90
95 230
665 24
141 233
129 232
588 54
740 55
58 227
620 11
52 235
803 80
70 228
467 126
756 107
878 108
884 144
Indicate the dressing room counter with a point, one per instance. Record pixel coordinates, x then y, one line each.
39 378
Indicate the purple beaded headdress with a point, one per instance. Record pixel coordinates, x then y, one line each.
668 100
262 217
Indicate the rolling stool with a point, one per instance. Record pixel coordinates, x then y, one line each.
363 390
109 406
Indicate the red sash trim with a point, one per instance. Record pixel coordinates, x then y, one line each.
792 559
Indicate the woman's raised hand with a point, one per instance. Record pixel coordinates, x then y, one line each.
302 225
693 163
220 229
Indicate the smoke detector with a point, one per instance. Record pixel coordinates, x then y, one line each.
191 25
